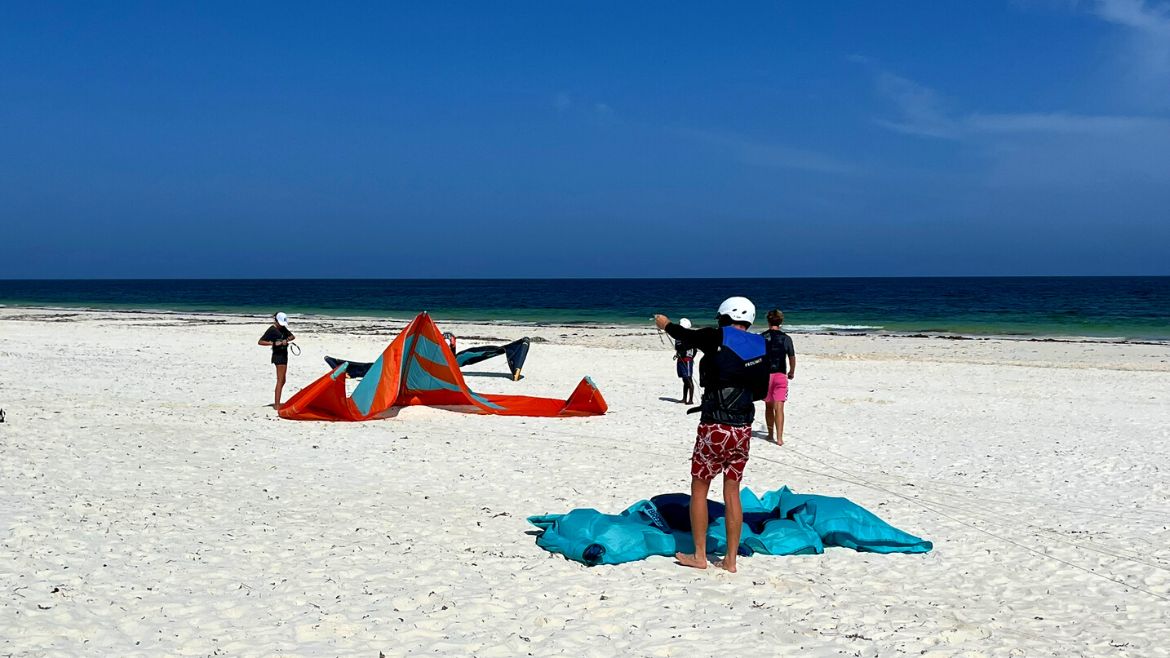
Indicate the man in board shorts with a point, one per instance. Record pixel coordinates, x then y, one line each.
781 358
733 375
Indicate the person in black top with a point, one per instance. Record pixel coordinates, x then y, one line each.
781 358
278 336
733 375
684 355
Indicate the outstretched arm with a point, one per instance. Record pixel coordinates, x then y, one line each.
705 339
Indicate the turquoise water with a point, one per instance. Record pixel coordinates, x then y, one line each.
1136 308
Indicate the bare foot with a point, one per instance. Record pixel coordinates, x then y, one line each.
771 439
779 441
691 560
726 564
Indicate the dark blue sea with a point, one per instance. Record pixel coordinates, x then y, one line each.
1136 308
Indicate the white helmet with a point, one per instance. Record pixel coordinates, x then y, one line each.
739 309
684 323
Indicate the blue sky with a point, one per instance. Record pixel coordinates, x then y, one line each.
485 139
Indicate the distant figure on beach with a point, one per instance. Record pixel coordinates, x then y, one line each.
450 338
782 369
278 336
684 356
733 375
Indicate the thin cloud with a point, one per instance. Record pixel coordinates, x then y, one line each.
1024 151
1144 25
922 112
769 155
1145 63
1061 123
1152 19
604 115
595 112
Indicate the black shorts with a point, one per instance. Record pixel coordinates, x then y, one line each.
280 359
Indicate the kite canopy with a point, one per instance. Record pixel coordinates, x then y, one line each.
779 523
419 368
355 370
515 352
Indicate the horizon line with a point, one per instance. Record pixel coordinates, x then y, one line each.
589 278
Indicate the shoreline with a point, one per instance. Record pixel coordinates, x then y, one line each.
797 329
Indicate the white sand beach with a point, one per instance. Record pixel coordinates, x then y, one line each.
152 504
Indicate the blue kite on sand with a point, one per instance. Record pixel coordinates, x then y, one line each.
779 523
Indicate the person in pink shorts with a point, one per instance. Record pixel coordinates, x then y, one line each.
782 368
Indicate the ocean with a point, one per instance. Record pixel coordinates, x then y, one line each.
1133 308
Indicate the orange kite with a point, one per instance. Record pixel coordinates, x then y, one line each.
419 368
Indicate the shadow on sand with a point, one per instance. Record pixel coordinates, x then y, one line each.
763 436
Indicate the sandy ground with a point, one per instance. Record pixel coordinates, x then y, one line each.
150 504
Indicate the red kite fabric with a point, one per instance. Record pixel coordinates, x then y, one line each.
418 367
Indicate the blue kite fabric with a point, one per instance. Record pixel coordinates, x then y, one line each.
779 523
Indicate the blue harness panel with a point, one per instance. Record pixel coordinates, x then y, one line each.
746 345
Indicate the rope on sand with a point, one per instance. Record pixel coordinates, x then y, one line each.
857 480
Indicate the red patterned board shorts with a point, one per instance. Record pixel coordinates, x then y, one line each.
722 449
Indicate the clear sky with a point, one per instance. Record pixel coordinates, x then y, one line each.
496 139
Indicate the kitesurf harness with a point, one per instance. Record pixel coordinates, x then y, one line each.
733 378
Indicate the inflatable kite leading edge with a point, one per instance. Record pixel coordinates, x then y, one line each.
515 352
779 523
419 368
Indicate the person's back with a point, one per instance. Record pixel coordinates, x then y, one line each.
779 346
733 374
781 358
